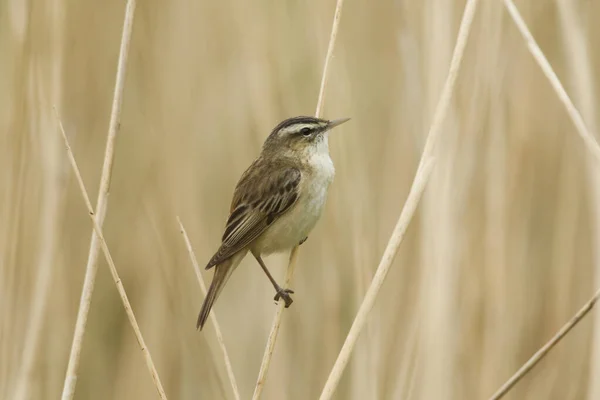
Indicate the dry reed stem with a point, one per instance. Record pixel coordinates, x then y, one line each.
580 67
329 56
532 362
540 58
113 269
268 354
417 188
213 317
50 216
593 148
42 288
266 361
101 204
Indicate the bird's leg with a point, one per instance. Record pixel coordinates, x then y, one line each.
302 241
281 293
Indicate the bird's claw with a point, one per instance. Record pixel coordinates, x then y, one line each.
285 295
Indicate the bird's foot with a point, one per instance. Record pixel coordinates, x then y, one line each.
302 241
285 295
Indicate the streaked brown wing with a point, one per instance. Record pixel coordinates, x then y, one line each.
264 193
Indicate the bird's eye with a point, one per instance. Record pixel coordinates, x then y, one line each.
305 131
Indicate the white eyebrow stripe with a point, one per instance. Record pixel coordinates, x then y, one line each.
298 127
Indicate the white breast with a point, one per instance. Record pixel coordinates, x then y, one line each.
297 223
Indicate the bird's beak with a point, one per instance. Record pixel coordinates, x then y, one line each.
336 122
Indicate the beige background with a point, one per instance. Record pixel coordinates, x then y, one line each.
499 256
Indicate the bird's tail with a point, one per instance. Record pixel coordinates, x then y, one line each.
222 273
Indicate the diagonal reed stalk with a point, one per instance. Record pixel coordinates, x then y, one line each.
588 139
101 204
113 269
270 347
421 177
542 352
592 146
213 318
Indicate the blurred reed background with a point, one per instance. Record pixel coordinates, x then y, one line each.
503 251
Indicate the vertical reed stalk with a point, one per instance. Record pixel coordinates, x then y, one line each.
268 354
421 177
101 205
50 91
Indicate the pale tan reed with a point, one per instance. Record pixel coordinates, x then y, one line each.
508 184
113 270
101 205
268 354
582 81
417 188
53 193
270 347
592 146
542 352
590 142
213 317
328 57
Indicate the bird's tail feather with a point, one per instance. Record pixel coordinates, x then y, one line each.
222 273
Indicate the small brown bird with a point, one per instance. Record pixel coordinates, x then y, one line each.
276 202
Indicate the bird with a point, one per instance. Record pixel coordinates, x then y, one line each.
276 202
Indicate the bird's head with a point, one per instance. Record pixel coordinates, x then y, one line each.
301 135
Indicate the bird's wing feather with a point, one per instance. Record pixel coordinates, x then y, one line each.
260 199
